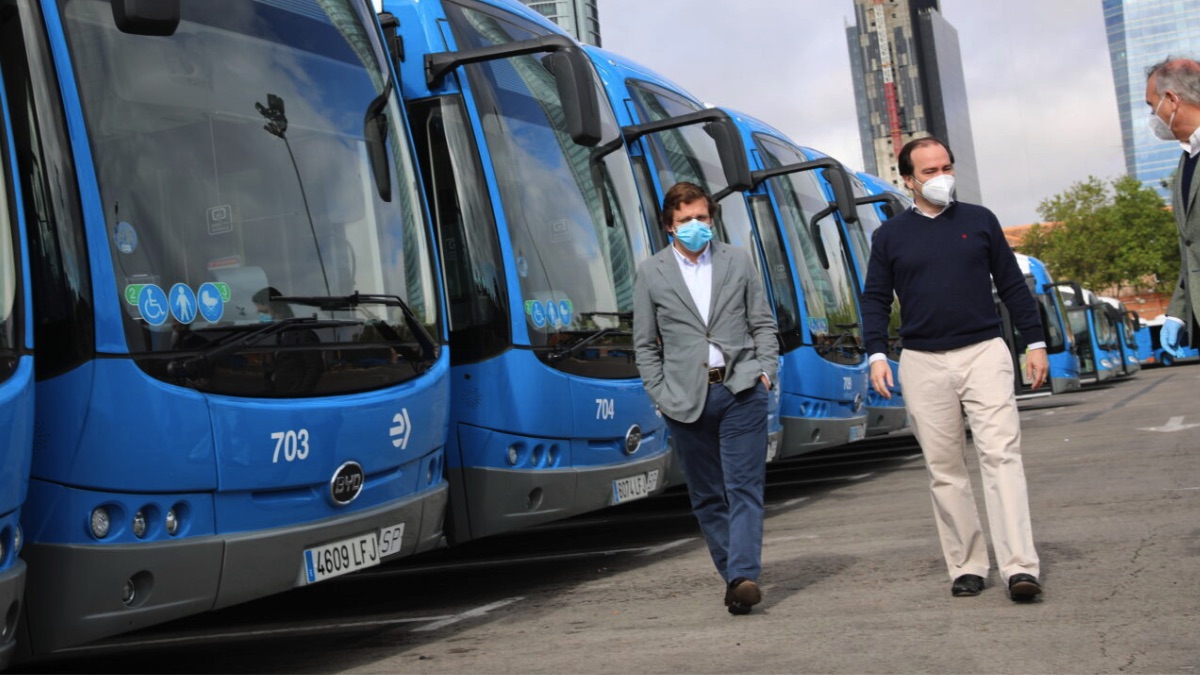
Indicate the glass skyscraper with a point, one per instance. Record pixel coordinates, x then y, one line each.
908 83
578 17
1142 33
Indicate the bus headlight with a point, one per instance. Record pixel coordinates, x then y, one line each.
100 522
513 455
172 522
139 524
17 537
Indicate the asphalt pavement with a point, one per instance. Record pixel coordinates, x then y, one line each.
853 580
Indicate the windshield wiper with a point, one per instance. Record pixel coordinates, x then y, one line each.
192 366
841 338
335 302
620 316
559 352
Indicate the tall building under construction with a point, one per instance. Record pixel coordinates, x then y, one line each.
580 18
908 83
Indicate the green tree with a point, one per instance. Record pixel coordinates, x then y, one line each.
1107 235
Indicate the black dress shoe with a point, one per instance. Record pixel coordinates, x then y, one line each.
1023 587
967 585
741 594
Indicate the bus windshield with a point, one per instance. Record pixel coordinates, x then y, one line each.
689 154
859 235
573 214
829 292
232 164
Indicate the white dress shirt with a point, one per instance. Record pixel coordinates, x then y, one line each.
698 277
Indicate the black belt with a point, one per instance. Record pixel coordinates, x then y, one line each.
716 375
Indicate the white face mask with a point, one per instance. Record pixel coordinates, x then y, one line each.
1160 128
938 190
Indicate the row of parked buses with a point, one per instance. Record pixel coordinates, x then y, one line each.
292 288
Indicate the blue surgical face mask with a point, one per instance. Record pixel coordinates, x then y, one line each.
694 235
265 317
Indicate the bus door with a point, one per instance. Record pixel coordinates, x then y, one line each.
16 388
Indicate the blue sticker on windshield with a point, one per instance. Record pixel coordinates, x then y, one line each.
537 313
211 302
565 310
125 237
183 303
152 303
522 266
552 313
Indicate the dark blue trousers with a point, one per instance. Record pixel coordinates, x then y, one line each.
724 455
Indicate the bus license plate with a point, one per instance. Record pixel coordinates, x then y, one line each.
341 557
858 432
634 487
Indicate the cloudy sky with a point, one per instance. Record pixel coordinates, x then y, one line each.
1043 108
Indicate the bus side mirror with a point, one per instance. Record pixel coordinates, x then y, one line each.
731 153
842 194
146 17
892 205
576 83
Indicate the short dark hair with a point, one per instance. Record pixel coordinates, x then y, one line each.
905 158
683 193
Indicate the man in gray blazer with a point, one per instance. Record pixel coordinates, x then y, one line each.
707 350
1173 94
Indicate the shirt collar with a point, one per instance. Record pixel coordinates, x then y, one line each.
1192 145
704 259
919 211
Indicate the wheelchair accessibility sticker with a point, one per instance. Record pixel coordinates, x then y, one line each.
152 303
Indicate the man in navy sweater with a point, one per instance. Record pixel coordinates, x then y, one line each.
941 258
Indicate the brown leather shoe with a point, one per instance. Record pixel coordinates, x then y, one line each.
741 595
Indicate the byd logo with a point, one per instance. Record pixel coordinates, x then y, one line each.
347 482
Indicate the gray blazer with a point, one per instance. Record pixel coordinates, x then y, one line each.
1184 304
671 340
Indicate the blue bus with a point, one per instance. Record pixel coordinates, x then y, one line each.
1150 347
242 381
1125 325
1062 350
705 143
16 388
771 202
1095 336
540 231
1142 337
878 200
875 202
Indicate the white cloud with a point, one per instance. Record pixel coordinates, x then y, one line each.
1043 109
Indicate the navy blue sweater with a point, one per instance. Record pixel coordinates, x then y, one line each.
942 269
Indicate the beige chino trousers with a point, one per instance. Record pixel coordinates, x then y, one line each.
938 388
